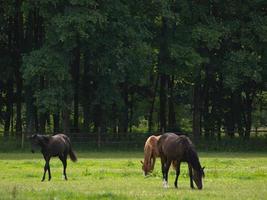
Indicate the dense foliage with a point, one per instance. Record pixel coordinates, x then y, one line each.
122 66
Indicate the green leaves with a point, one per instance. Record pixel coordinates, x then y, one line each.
52 68
209 35
241 67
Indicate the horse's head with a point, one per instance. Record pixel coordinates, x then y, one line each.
34 142
197 177
146 167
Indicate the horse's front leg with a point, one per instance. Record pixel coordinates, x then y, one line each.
177 174
190 176
153 160
49 173
46 167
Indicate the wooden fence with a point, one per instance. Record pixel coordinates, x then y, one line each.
131 141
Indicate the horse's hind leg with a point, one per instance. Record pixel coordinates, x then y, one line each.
177 174
49 172
64 162
166 171
163 163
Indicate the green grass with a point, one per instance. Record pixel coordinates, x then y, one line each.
118 175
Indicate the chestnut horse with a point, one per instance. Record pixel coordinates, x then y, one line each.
57 145
150 154
171 148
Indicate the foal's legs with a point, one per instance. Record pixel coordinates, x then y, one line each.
190 176
153 160
63 159
177 174
47 167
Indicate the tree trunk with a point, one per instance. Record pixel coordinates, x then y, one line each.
238 113
18 37
163 99
124 121
9 106
76 84
248 112
229 117
42 114
66 121
30 110
131 112
171 117
114 110
19 102
86 118
151 111
86 88
197 110
97 117
162 60
56 123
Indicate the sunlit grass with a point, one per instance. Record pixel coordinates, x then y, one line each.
118 175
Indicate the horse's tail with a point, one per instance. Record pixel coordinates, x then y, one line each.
72 154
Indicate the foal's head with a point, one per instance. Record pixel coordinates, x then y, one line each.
146 167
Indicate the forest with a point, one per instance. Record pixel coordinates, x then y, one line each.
81 66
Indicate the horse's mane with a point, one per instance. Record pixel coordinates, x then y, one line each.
42 139
147 151
192 157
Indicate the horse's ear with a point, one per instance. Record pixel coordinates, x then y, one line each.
203 168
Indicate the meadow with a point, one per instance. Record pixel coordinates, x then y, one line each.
118 175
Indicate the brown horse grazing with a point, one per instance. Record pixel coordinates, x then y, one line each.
179 148
150 154
57 145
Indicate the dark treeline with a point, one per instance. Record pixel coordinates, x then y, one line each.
116 66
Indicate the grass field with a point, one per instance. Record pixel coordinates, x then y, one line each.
118 175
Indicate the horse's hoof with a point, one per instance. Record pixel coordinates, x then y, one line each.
42 180
165 184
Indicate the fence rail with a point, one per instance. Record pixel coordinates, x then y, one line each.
131 141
